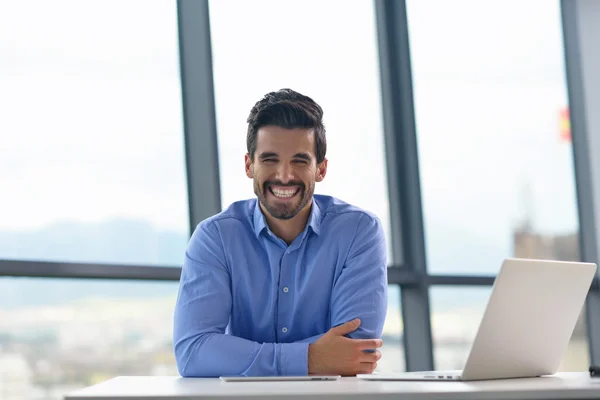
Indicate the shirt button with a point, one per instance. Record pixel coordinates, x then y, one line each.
284 329
285 290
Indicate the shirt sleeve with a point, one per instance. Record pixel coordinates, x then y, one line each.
311 339
202 312
361 289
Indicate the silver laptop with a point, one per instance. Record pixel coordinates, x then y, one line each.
527 323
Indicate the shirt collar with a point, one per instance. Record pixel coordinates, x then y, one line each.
259 219
314 220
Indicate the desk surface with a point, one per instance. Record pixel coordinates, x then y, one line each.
559 386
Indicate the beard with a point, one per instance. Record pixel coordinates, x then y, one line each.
283 210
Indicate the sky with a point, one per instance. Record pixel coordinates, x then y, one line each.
94 122
92 128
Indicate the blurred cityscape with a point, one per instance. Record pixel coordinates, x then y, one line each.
48 350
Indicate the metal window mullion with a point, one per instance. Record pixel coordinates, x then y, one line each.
200 128
408 242
581 35
55 269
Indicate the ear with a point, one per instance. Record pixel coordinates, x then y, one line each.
248 166
321 171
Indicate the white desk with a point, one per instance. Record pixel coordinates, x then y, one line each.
560 386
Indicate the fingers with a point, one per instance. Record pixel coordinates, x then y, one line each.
370 357
367 367
368 344
346 328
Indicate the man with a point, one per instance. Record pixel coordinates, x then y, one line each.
290 283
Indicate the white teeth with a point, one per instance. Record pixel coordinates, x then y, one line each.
284 193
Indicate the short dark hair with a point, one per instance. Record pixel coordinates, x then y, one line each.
289 110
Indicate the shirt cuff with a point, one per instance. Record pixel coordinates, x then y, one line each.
293 359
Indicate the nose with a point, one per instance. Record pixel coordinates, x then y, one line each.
284 173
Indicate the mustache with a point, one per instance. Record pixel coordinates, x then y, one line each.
279 183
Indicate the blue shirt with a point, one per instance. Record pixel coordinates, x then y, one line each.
250 305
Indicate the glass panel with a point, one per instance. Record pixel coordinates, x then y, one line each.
274 49
91 162
455 317
494 141
392 351
46 325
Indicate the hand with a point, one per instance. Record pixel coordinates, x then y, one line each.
335 354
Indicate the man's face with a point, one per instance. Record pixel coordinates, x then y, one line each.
284 169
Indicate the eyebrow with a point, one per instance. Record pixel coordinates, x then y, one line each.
264 155
304 156
268 154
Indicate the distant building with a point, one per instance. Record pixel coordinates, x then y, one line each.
529 244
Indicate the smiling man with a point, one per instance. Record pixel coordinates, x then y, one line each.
289 283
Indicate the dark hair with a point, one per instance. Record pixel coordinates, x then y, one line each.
287 109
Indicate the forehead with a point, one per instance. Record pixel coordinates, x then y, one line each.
285 141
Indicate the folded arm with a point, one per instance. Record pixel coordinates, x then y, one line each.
204 302
202 312
361 289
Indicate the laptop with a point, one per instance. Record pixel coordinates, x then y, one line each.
526 326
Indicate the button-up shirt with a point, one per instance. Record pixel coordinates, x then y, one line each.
250 304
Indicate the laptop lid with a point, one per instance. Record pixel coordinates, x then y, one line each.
529 318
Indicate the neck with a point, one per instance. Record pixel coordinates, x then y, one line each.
288 229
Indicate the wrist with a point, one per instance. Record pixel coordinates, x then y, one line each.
313 360
312 365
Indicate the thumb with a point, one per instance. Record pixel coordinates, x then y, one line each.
346 328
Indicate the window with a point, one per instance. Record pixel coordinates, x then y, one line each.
289 45
392 351
91 162
492 123
255 61
455 317
46 325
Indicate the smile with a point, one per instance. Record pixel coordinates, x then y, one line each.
284 192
